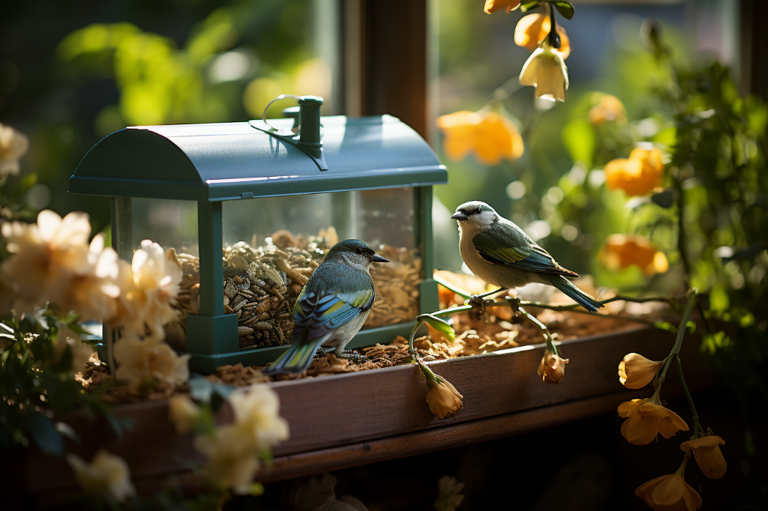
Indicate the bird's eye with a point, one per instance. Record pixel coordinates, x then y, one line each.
476 211
359 250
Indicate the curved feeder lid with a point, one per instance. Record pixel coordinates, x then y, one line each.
237 160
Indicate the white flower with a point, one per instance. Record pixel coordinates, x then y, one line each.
144 361
545 69
148 286
106 473
80 351
46 256
258 408
13 145
449 494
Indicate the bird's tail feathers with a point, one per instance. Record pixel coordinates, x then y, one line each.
576 294
296 359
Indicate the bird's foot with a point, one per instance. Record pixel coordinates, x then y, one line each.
478 302
352 355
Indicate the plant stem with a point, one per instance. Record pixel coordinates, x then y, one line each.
688 396
548 336
413 336
680 333
681 230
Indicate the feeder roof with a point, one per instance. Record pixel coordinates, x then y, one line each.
213 162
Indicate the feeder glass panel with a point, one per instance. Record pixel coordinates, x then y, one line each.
169 223
272 246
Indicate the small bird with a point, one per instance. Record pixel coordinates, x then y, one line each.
500 253
332 307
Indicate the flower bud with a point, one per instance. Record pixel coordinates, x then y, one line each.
552 367
636 371
443 398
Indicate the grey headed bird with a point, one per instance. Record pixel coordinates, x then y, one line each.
332 307
500 253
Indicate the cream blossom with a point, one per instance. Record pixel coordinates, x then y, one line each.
93 294
232 462
144 361
545 69
45 256
106 473
183 412
257 410
80 351
449 494
13 146
233 449
147 287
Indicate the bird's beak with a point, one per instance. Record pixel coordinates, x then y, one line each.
378 259
459 216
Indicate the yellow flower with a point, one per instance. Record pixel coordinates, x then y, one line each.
147 287
670 493
646 418
492 6
708 455
106 473
143 361
534 28
46 257
13 146
257 410
443 398
552 367
620 251
638 175
545 69
609 108
232 462
80 351
183 412
487 134
636 371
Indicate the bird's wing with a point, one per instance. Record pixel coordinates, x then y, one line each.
316 313
505 246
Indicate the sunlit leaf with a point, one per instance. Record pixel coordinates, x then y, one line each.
579 140
565 8
439 324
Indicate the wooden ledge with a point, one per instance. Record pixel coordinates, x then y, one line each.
356 418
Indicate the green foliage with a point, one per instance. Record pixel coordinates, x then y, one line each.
36 387
565 8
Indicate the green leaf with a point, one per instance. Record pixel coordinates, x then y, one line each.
256 489
527 6
451 287
565 8
579 140
439 324
44 434
718 299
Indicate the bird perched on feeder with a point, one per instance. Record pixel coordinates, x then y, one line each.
332 307
500 253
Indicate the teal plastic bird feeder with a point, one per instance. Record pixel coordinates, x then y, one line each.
248 210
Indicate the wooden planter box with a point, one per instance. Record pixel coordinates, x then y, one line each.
356 418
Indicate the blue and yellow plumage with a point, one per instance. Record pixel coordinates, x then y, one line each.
500 253
332 307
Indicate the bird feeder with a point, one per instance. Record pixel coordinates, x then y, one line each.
248 210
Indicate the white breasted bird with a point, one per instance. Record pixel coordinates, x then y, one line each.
500 253
332 307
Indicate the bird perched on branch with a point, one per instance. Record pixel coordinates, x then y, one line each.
500 253
332 307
